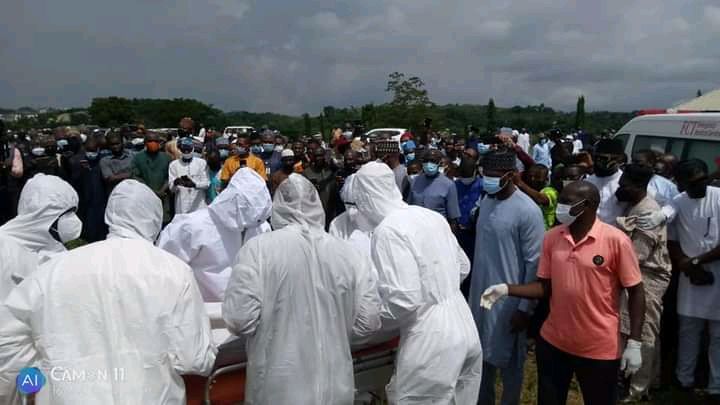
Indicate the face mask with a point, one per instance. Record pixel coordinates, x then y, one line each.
562 213
241 150
492 185
152 146
279 148
224 153
68 227
38 151
91 155
83 138
605 168
256 149
431 169
483 149
412 176
268 147
467 180
410 157
62 143
362 222
543 141
137 141
187 156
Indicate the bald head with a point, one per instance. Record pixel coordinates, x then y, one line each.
578 191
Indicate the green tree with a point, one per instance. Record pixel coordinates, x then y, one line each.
367 115
699 93
307 124
491 116
111 111
580 112
322 124
410 101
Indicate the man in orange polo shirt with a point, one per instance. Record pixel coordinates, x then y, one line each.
241 158
584 266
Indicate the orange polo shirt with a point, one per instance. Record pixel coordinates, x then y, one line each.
232 165
587 278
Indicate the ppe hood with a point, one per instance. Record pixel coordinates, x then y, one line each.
297 202
245 203
376 192
133 212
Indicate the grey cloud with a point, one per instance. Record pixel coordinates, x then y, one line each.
297 56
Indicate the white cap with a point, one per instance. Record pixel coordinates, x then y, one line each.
287 153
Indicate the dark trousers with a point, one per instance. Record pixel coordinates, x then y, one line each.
597 378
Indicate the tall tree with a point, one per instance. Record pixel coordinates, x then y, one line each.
367 115
322 124
307 124
410 103
491 116
699 93
580 112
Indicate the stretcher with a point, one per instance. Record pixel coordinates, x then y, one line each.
373 364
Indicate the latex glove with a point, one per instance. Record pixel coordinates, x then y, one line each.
631 358
651 220
493 294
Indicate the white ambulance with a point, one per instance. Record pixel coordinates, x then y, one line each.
685 135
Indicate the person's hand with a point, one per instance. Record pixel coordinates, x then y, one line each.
517 178
519 322
631 359
493 294
651 220
685 265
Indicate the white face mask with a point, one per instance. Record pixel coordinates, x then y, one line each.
187 156
279 148
38 151
467 180
562 213
69 227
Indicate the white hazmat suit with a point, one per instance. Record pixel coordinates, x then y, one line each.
300 295
24 241
349 225
209 239
117 321
420 267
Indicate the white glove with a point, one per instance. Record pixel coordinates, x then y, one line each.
651 220
492 294
631 358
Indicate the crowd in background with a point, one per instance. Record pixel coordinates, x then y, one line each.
510 199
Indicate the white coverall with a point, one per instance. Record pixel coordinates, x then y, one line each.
189 199
420 267
126 314
209 239
23 241
349 225
300 295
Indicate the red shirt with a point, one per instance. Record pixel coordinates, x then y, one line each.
587 278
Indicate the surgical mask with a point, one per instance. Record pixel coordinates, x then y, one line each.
543 141
68 227
268 147
492 185
467 180
279 148
62 143
431 169
38 151
241 150
152 146
83 138
483 149
256 149
362 222
91 155
187 156
412 176
410 157
137 141
224 153
562 213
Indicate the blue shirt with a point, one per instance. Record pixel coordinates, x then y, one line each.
436 193
467 196
541 154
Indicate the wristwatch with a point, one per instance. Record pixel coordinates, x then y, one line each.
695 261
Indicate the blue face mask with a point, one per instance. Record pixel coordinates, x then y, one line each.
256 149
268 147
482 148
491 185
431 169
61 143
410 157
224 153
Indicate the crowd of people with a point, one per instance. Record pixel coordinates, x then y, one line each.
474 250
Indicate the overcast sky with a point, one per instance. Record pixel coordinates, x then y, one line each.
295 56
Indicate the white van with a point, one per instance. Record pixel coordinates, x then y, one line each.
234 131
686 136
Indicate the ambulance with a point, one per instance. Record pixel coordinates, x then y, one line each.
685 135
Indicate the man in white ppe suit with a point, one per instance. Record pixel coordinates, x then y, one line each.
300 308
34 234
349 225
420 266
119 308
209 239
